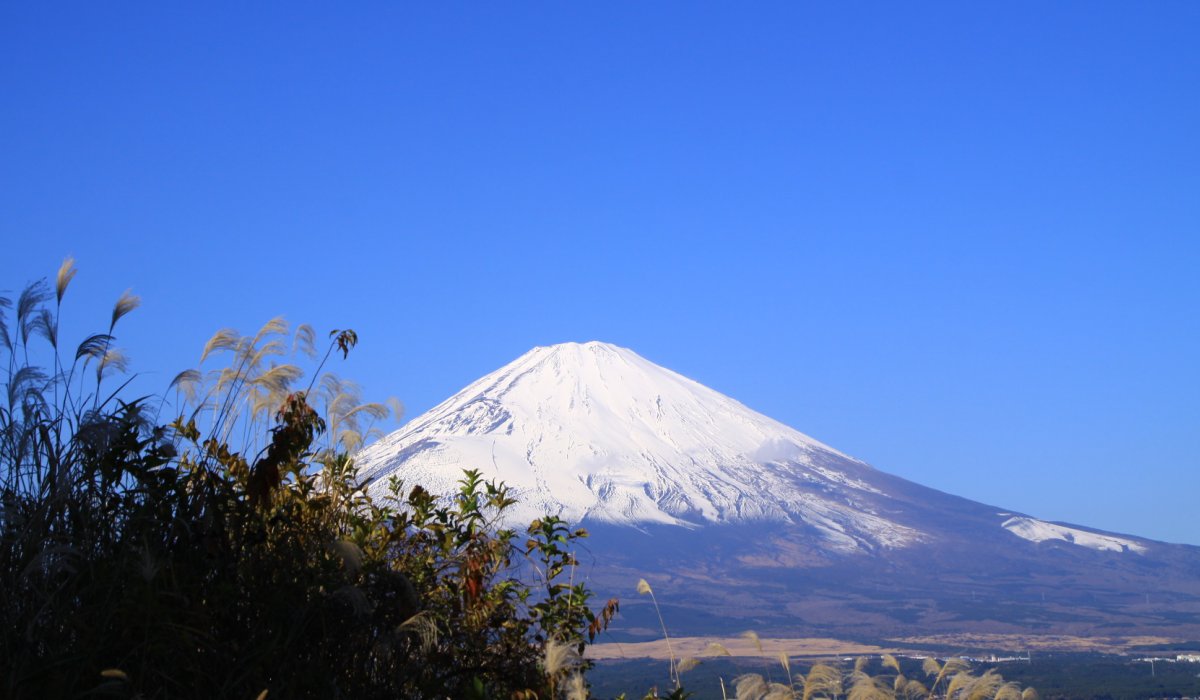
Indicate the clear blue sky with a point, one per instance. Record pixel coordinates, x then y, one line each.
960 241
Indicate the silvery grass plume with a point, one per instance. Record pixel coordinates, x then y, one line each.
867 688
890 661
959 682
424 628
752 686
822 681
718 649
941 672
906 688
643 588
986 686
752 637
66 273
45 400
562 662
826 682
261 370
560 658
910 689
787 667
749 687
576 688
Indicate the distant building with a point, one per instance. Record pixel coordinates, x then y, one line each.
1190 658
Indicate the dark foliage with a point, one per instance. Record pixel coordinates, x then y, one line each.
165 561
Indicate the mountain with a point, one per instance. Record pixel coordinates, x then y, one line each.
740 520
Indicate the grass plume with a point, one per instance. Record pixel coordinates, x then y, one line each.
643 588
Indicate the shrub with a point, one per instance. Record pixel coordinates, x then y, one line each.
234 553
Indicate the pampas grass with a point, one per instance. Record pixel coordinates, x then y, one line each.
235 549
66 273
941 672
890 661
643 588
261 370
827 681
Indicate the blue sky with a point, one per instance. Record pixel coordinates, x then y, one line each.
959 241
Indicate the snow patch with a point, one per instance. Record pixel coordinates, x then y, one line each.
1040 531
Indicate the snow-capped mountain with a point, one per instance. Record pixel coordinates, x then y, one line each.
672 476
596 433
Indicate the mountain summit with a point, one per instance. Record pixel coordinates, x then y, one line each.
744 517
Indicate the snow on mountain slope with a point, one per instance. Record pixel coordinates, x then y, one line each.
595 432
1040 531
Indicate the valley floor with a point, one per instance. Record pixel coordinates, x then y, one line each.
818 647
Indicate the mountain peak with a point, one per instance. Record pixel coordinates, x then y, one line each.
589 345
574 353
593 431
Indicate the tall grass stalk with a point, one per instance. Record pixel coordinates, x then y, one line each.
643 588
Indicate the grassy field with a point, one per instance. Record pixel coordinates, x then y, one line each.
736 646
820 647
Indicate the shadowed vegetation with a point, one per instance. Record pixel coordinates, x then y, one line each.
229 550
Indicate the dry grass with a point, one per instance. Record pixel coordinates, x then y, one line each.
1046 642
739 646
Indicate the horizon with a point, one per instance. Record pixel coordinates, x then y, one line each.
955 242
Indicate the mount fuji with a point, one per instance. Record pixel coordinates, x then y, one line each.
741 520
